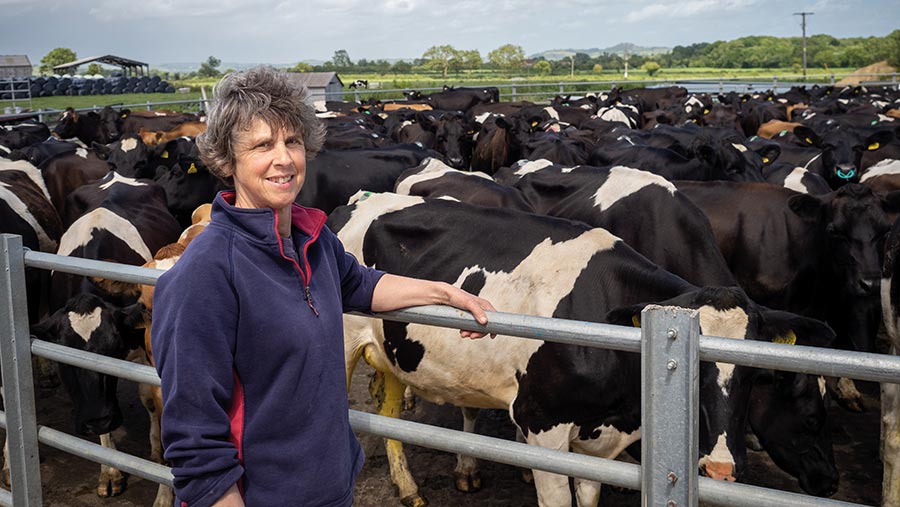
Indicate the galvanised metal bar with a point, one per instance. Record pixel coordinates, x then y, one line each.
865 366
617 473
6 498
146 469
733 494
140 373
89 267
670 406
18 383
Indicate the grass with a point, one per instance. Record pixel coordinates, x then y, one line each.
424 80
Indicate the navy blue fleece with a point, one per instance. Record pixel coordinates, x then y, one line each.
232 315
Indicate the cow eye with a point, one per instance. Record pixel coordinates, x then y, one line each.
811 423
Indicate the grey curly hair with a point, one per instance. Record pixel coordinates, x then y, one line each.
258 93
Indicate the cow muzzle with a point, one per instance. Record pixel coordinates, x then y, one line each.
718 471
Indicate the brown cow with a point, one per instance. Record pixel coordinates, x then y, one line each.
188 129
772 128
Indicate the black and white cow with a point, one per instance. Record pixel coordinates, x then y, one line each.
560 396
890 393
89 323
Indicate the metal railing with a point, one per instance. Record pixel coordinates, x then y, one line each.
669 342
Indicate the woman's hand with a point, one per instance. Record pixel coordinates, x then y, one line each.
394 292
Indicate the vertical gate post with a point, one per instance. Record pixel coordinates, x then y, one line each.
670 372
18 383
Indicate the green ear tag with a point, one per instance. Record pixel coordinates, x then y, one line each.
787 339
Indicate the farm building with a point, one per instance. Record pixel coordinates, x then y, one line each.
322 85
129 67
15 66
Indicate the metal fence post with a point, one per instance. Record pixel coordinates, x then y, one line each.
670 370
513 92
18 383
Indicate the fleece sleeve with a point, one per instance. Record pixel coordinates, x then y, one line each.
193 338
357 281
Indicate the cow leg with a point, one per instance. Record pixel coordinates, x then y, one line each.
467 477
112 481
890 431
587 493
526 474
846 393
409 399
47 377
165 497
387 391
552 489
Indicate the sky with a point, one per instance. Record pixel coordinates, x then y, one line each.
286 32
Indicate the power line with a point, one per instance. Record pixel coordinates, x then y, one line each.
803 24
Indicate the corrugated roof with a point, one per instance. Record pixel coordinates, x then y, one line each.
108 59
315 79
14 61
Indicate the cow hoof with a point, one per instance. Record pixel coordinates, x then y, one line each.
414 500
110 488
752 442
468 483
527 476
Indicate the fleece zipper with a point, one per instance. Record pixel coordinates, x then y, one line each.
305 275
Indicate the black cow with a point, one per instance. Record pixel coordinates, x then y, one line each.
128 156
185 178
563 396
333 176
15 137
462 99
90 127
820 256
842 148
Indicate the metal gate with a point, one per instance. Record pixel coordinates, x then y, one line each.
669 343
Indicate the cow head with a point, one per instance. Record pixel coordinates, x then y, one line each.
788 413
725 388
128 156
725 158
66 125
89 323
842 150
854 222
453 133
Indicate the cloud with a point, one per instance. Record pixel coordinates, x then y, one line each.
670 9
116 10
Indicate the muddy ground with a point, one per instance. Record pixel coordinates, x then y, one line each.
71 482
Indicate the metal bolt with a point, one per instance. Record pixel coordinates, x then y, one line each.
672 478
672 364
672 334
671 503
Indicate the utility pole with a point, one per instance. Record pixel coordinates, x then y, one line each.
803 24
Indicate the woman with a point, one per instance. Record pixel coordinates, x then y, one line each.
247 326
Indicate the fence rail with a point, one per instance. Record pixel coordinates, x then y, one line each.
661 326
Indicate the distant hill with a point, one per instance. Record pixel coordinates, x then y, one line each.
193 66
618 49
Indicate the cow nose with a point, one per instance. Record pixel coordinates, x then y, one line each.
456 162
719 471
845 172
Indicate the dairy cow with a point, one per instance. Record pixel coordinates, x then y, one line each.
560 396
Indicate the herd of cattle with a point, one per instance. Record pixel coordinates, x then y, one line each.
771 214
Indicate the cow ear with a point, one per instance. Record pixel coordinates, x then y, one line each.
626 315
426 120
502 122
793 329
808 136
805 206
704 152
878 140
769 153
131 321
101 150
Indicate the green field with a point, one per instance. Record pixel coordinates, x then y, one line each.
524 84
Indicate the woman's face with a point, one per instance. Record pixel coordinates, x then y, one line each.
269 167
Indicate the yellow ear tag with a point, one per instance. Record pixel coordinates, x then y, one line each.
124 116
534 124
874 146
808 140
706 111
765 160
165 154
787 339
635 321
192 169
